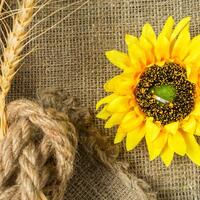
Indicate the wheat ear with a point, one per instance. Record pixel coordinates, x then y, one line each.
1 5
11 54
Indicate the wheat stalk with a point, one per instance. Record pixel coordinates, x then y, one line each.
11 54
15 43
1 5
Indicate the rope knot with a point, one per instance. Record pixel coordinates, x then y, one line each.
37 154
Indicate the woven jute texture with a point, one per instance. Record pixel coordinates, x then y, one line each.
71 57
93 181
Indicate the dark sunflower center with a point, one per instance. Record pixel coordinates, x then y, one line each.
165 94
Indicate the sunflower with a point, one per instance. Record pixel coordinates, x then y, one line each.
157 94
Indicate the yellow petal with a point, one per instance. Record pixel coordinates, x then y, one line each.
161 140
131 121
135 62
156 144
177 143
136 67
179 27
189 125
160 63
118 59
145 44
172 127
196 111
192 58
167 155
159 143
148 48
192 73
130 39
151 150
193 149
194 76
115 119
119 104
136 54
168 27
134 137
120 85
155 147
148 33
162 48
197 132
105 100
103 114
182 41
152 129
110 85
195 43
130 116
124 87
120 135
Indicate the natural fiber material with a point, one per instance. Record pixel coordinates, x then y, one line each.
96 157
71 57
37 154
11 56
95 143
97 173
92 180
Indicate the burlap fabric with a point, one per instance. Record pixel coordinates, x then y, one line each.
71 57
93 181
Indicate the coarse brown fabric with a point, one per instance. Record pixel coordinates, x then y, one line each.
94 181
71 57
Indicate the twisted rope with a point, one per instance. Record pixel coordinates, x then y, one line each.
97 144
37 154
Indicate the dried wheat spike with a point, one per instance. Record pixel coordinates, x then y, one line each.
11 53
